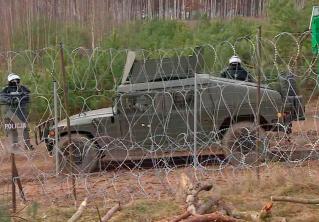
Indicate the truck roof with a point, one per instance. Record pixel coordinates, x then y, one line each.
202 79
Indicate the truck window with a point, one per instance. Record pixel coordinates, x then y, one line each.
127 103
183 99
179 100
136 103
163 102
159 102
189 99
143 103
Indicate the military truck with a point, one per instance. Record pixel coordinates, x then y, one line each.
153 116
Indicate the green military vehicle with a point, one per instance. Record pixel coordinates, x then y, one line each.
153 116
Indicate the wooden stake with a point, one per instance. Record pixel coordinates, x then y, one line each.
14 203
15 178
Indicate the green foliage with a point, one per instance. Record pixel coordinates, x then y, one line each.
4 215
32 211
149 35
93 75
285 17
217 31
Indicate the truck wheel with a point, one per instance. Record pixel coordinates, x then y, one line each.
80 156
239 144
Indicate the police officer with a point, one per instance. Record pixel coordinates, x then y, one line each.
236 71
16 98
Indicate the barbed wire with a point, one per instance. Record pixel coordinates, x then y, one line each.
132 136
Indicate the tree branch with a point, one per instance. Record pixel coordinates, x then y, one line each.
110 213
294 200
79 212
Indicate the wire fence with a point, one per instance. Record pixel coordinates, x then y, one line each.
139 118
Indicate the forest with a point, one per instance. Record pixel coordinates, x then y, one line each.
96 36
40 22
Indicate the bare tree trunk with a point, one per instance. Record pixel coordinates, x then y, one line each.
17 14
93 25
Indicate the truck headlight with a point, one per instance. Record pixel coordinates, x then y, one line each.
280 115
52 133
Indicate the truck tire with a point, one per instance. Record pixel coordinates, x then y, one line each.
239 144
80 156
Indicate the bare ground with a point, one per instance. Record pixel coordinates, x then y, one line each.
152 194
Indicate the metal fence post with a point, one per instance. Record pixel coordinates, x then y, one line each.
195 159
258 54
56 147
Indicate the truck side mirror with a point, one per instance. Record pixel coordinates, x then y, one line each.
114 106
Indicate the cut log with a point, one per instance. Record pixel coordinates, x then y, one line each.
207 206
192 197
206 187
222 206
295 200
79 212
181 217
247 216
110 213
192 200
216 217
254 216
202 209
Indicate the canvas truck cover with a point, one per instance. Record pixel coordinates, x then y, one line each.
163 69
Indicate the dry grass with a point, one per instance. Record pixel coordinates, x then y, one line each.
243 191
148 210
247 193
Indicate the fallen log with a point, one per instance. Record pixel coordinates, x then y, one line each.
202 209
110 213
247 216
181 217
79 212
254 216
294 200
206 187
192 197
192 202
207 206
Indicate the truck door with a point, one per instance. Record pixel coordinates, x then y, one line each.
180 119
134 109
205 114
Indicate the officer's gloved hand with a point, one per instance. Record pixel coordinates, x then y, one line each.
15 101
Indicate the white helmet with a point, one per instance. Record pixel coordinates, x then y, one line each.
234 59
13 76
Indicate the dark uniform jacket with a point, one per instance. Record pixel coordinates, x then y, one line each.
15 99
236 72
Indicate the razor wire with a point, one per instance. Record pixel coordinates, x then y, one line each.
133 126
